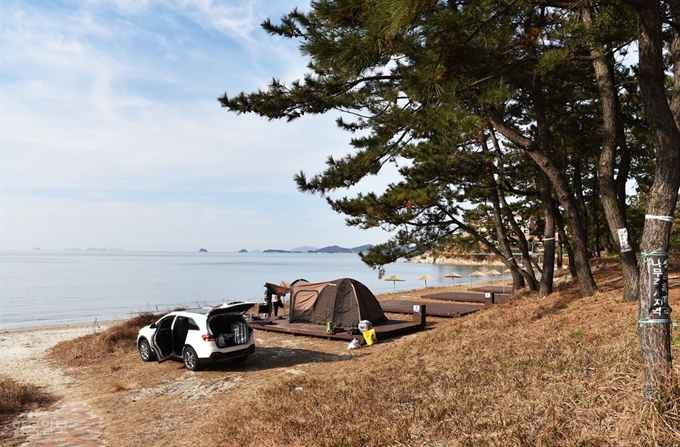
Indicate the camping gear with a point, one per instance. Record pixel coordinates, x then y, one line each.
370 337
354 344
274 289
343 302
365 325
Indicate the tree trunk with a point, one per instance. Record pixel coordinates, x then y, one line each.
558 248
584 276
564 239
548 270
509 263
653 326
518 281
543 141
580 200
517 278
610 187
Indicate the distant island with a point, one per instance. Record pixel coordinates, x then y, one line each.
94 249
330 249
203 250
336 249
243 250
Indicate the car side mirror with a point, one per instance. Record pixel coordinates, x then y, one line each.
153 326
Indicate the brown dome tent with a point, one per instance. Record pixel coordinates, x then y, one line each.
344 302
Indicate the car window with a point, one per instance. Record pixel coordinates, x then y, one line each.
166 322
192 325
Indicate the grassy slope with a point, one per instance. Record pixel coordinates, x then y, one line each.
557 371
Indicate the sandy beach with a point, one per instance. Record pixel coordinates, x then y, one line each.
24 349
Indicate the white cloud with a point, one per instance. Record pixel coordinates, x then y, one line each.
112 135
232 18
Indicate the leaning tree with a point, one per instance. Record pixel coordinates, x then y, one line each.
427 83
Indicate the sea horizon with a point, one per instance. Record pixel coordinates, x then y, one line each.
52 287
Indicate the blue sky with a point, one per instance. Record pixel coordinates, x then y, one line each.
112 137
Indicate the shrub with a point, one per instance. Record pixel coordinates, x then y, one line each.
89 348
16 397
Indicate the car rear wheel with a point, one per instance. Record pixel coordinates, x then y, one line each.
145 351
190 359
240 359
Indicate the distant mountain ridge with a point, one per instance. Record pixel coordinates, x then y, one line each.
303 249
330 249
337 249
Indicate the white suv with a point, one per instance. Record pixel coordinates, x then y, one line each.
199 336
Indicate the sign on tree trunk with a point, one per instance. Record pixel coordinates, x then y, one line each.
657 265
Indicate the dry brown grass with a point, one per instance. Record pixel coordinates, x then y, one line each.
559 371
95 347
16 398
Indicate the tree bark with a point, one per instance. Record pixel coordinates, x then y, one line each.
518 281
584 276
610 188
564 239
517 278
654 331
548 270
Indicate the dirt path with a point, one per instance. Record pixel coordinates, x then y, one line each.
70 422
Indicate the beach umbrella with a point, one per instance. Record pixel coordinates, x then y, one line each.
453 276
493 273
394 279
424 278
477 274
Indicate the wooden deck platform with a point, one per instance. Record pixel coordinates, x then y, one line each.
432 309
388 329
495 289
467 297
457 296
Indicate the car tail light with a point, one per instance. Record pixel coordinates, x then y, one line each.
208 337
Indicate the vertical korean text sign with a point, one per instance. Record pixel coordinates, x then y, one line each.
658 287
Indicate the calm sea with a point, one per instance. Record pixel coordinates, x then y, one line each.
41 287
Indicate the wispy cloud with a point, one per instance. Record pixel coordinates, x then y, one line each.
110 127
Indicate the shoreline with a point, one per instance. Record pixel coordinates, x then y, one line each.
469 260
57 327
96 325
24 348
